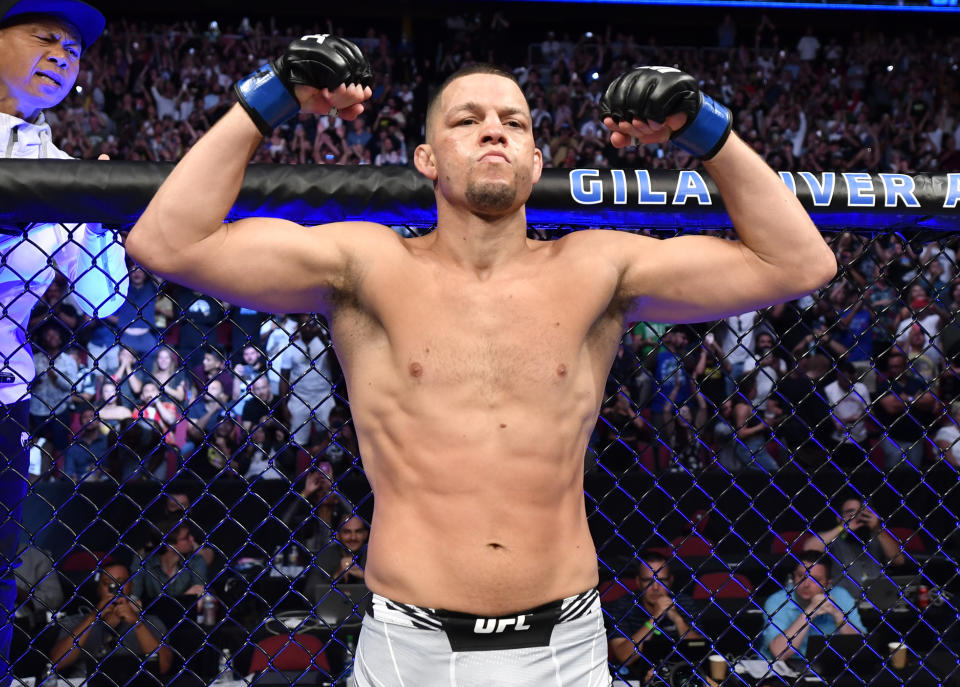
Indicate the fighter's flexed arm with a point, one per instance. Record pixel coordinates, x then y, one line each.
265 263
780 254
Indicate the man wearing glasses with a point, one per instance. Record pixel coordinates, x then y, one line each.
653 614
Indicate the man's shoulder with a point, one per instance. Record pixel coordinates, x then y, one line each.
776 602
841 597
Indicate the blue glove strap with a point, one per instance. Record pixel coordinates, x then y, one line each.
266 99
706 134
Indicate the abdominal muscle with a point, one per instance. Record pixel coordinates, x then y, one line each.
486 521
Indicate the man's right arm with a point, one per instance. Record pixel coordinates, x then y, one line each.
261 263
182 236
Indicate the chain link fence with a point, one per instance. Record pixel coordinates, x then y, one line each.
778 489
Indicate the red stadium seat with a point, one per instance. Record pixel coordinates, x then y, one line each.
692 546
617 587
289 652
910 539
721 585
789 540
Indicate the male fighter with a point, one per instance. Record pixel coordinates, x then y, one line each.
475 358
41 42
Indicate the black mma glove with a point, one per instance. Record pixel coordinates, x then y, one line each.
320 61
655 93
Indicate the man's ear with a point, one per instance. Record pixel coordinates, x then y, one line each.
537 165
425 162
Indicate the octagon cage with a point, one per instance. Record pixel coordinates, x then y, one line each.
198 459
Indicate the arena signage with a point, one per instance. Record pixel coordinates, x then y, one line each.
117 192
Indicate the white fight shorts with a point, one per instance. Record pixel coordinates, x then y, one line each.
559 644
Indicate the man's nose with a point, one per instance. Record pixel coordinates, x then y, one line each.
492 130
58 56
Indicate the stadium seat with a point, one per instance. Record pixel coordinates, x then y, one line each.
721 585
692 546
617 587
911 539
789 540
295 652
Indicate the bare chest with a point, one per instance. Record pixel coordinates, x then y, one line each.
501 336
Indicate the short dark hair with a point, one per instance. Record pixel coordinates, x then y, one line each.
470 69
811 557
650 559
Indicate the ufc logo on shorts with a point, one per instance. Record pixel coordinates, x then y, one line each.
318 37
485 626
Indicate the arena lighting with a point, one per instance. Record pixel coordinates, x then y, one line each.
863 6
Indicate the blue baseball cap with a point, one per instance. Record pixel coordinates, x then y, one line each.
89 21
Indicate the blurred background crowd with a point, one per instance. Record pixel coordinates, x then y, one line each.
860 380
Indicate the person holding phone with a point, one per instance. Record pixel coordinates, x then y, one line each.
86 639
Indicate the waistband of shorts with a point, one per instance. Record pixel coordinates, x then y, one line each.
408 615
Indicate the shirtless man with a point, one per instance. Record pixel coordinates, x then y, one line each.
475 358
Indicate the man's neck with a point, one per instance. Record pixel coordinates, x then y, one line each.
11 106
479 244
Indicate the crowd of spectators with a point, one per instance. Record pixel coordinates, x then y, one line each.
868 368
803 101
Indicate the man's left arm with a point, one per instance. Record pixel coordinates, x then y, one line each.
779 256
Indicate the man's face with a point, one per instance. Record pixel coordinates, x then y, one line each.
896 365
211 363
808 582
849 510
185 544
250 355
261 389
114 580
654 580
353 534
39 61
480 152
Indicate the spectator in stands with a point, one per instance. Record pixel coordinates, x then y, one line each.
38 587
220 451
922 354
175 569
251 366
811 604
136 318
673 385
859 544
852 331
620 430
39 596
753 430
905 407
263 454
56 375
85 455
110 410
947 437
168 375
162 414
213 367
115 632
737 343
849 403
205 413
54 309
344 558
312 514
199 316
770 366
654 611
308 372
262 404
